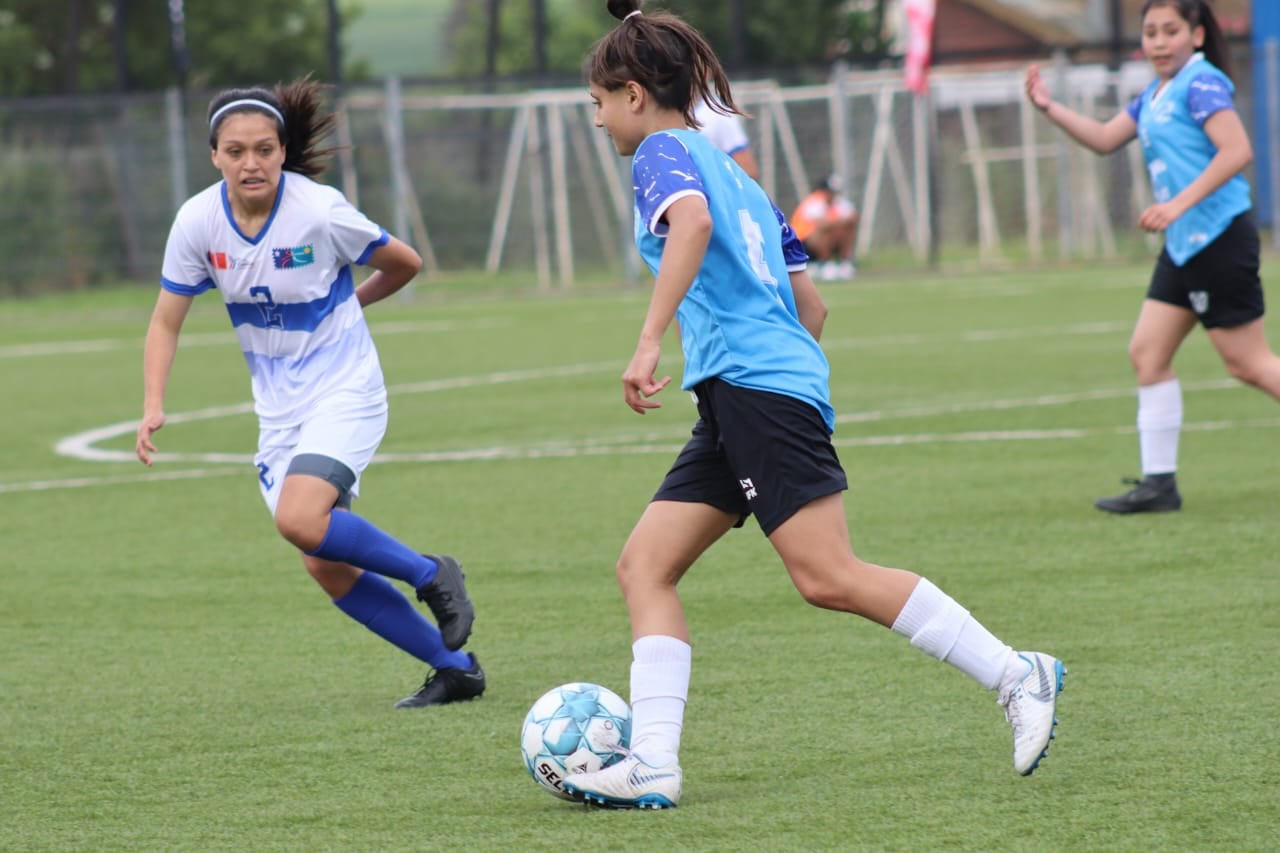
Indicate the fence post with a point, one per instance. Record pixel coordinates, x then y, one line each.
1272 64
173 111
1066 216
393 122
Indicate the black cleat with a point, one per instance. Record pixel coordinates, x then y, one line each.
447 685
1153 493
446 595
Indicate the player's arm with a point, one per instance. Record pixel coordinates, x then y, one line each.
1097 136
395 263
810 307
811 310
157 362
1227 133
688 234
746 158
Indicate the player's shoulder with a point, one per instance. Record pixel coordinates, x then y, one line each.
201 207
297 185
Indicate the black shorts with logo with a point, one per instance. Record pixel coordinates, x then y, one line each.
1219 283
754 452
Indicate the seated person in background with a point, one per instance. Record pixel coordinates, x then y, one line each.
727 133
827 223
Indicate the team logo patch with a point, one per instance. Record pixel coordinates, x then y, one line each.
298 256
224 261
1199 301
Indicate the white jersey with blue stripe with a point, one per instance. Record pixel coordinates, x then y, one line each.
289 292
738 321
1170 123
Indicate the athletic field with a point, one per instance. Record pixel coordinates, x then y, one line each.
173 680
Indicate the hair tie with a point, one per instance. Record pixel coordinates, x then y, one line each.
245 102
631 15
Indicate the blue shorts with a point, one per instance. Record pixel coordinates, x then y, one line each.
754 453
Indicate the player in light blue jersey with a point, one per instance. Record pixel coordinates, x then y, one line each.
1195 147
279 247
732 274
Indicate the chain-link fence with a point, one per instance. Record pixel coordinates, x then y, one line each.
522 181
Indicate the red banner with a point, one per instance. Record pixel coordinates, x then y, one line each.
920 15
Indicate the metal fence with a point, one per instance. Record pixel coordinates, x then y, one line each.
523 182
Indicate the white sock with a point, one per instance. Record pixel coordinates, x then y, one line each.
1159 424
659 689
939 626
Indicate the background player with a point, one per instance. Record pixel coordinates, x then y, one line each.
279 248
1195 147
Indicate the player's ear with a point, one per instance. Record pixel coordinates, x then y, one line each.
635 96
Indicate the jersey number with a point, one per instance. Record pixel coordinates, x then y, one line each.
271 318
754 234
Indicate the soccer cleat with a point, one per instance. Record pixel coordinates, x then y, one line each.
1153 493
629 784
446 595
443 686
1030 705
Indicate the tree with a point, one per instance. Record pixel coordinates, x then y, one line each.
44 50
767 33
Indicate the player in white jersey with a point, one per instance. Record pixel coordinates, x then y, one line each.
279 249
1196 147
731 271
726 132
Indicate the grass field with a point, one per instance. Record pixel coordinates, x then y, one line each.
172 680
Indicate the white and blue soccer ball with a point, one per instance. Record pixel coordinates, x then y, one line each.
574 728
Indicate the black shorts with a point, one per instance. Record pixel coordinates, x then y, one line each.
1220 283
754 452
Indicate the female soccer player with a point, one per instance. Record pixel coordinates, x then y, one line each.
1195 146
731 272
279 248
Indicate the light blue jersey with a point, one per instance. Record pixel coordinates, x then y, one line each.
738 322
1171 130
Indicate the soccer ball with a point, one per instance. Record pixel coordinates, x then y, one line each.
574 728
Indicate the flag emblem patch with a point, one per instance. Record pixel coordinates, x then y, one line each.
292 258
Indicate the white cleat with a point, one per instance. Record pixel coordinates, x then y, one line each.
1030 705
629 784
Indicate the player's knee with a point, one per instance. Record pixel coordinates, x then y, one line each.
626 572
303 529
816 588
1248 372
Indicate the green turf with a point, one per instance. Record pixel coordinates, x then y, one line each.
172 680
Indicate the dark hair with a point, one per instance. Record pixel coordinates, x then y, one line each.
304 124
1198 13
665 55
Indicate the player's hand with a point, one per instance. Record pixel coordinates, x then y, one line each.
1037 89
147 428
638 382
1158 217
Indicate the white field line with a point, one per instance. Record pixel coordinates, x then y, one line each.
208 339
666 441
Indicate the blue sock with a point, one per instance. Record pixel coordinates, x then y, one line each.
379 606
352 540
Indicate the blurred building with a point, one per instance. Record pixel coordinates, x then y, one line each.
976 30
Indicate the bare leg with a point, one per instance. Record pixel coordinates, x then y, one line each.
665 542
1248 357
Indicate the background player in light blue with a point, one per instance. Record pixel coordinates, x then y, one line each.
279 247
732 273
1195 147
